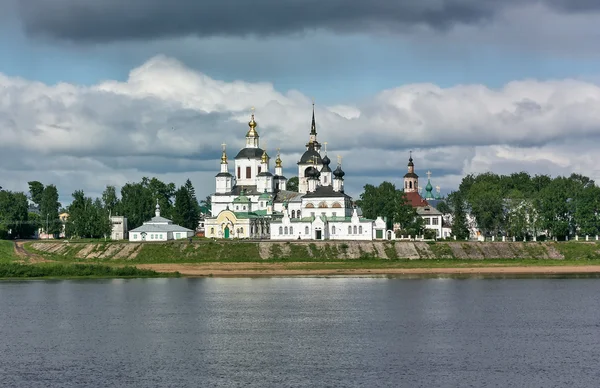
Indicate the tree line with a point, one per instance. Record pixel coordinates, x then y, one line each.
522 205
90 217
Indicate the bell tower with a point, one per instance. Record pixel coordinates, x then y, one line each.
411 180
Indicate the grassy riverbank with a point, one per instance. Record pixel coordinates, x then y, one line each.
51 270
268 258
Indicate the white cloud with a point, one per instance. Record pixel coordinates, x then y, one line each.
169 121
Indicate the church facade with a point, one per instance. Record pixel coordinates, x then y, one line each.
255 203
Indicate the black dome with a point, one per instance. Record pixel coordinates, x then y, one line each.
339 173
313 172
326 160
310 156
249 153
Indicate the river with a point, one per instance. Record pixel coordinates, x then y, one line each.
300 332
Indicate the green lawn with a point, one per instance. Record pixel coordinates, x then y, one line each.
52 270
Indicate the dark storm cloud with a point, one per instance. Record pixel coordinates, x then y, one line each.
114 20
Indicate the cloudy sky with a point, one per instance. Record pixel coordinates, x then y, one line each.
96 93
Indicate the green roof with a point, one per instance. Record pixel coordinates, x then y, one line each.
242 199
264 195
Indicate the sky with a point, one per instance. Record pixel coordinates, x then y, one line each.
96 93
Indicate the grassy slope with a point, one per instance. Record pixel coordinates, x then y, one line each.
53 270
323 256
7 251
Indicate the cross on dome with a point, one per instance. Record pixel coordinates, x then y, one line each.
428 174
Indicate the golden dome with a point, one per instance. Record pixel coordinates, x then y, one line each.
278 160
252 131
265 157
223 155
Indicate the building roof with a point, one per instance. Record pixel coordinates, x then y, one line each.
288 196
150 227
415 199
325 191
250 153
223 174
428 211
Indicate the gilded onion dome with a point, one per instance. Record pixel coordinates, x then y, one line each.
278 160
252 131
264 158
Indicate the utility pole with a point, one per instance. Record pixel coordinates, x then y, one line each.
47 237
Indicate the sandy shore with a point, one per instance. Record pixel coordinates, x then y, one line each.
274 269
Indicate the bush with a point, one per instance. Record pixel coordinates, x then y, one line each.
15 270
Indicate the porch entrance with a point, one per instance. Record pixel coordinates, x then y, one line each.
226 232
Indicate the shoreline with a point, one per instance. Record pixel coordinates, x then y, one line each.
279 270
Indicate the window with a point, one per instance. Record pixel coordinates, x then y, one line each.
334 214
360 229
281 230
332 229
312 214
259 169
237 207
177 235
354 229
244 207
239 173
427 221
406 185
306 230
286 230
241 230
248 172
293 214
298 214
349 229
410 185
434 221
212 230
262 204
291 230
325 179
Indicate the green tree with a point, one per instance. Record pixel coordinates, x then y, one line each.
49 206
517 214
137 204
14 216
87 217
110 201
292 184
460 226
163 193
186 212
36 190
554 207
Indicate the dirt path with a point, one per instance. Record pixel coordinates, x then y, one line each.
27 257
276 269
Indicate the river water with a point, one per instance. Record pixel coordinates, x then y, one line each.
300 332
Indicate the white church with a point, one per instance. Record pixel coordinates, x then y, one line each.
254 203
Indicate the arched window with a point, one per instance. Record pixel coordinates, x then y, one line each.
336 205
310 206
354 229
306 230
360 229
237 207
293 214
332 229
291 230
262 204
286 230
242 230
349 229
298 214
212 230
323 205
281 230
410 185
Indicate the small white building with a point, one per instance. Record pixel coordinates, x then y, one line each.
432 219
119 227
159 229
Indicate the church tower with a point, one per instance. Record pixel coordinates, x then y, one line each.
326 173
411 180
264 179
279 180
310 157
338 177
248 163
429 187
224 179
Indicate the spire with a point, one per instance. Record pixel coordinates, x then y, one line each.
313 125
410 159
157 209
223 155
